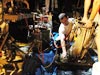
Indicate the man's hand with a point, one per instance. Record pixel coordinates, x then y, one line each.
88 24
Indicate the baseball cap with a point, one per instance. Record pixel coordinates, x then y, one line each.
61 15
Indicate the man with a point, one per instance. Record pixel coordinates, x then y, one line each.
64 31
95 10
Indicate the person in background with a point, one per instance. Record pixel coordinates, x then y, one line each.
47 5
51 5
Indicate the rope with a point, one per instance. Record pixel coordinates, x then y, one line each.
49 65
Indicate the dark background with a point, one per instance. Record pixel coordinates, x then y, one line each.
19 29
